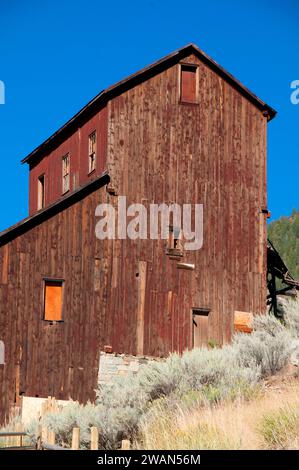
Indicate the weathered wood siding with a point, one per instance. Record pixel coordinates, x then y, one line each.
214 153
76 144
46 358
130 294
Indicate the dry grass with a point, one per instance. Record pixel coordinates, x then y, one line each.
270 420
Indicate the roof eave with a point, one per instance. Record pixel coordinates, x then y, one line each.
57 206
118 88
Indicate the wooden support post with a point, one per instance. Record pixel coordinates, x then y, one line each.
94 438
125 444
76 439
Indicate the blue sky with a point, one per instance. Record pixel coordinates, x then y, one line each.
56 55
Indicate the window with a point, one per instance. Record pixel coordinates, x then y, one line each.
175 242
65 173
53 297
41 192
174 238
188 84
200 327
92 153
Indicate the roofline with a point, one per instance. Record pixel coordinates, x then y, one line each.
130 81
53 209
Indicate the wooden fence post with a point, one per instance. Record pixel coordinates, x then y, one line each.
19 439
94 438
76 439
51 437
44 435
39 437
125 444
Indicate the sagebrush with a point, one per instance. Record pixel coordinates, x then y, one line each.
196 378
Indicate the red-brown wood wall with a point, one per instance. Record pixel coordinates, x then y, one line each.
76 144
128 293
214 153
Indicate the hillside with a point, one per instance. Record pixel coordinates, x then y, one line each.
284 234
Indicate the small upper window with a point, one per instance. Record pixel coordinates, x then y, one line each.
41 192
188 84
53 296
65 173
92 154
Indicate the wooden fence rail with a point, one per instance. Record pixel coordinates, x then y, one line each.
47 440
15 441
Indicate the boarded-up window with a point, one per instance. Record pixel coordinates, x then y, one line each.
53 300
200 327
65 173
243 321
41 192
188 84
92 153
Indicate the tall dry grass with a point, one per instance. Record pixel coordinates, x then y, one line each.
271 420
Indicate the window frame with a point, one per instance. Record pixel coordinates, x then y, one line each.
66 175
41 191
195 68
174 243
92 152
47 281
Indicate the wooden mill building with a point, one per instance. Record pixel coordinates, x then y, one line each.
183 131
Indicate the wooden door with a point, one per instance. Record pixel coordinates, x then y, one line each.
200 327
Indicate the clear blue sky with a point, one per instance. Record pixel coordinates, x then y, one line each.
56 55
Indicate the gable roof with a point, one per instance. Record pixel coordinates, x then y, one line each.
49 211
140 76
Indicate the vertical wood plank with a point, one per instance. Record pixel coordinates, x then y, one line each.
140 307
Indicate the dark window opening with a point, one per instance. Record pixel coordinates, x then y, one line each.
65 173
41 192
92 154
174 247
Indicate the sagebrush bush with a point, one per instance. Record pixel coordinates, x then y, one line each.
291 316
216 373
196 378
264 350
